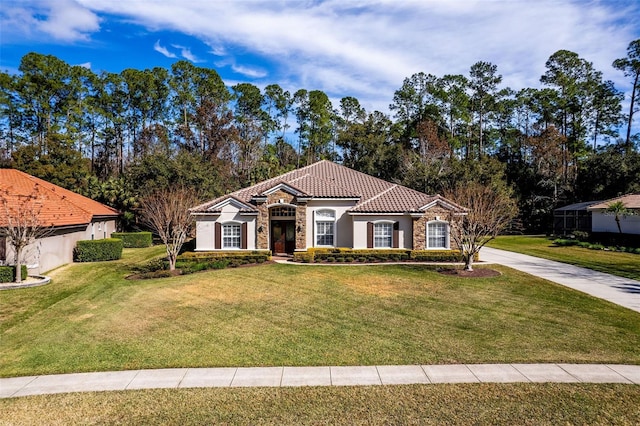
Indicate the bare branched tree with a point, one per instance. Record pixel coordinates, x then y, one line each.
23 223
490 211
166 211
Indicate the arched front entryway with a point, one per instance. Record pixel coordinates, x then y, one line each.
282 222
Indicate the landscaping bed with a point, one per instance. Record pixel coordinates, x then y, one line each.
348 255
190 262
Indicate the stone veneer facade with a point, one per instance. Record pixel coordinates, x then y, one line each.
420 227
262 238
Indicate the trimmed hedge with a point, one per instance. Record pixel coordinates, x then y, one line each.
439 256
346 255
134 239
8 273
98 250
192 261
253 256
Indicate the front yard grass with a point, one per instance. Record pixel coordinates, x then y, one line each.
462 404
92 319
616 263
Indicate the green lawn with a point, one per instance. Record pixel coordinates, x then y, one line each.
91 319
621 264
478 404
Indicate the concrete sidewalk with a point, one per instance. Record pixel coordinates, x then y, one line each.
318 376
622 291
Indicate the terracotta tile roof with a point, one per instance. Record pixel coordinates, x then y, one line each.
58 206
326 179
631 201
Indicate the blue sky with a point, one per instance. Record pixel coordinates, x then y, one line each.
344 47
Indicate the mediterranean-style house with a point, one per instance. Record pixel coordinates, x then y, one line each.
70 217
325 205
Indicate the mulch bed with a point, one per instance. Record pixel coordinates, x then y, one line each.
476 273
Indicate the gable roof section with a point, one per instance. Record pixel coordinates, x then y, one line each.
59 206
286 187
631 201
217 207
326 179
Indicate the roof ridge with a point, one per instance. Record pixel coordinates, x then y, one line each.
375 197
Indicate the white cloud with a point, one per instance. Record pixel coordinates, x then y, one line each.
161 49
185 52
249 71
365 48
86 65
62 20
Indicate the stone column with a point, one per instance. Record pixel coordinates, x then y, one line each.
262 227
301 225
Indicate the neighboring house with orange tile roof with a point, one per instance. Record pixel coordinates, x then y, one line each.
324 205
602 221
70 216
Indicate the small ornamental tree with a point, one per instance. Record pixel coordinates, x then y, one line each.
490 210
166 211
617 209
22 224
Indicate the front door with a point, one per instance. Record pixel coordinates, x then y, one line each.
283 236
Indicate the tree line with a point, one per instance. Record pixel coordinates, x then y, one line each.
115 136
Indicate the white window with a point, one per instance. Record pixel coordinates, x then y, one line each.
231 236
382 235
325 228
437 235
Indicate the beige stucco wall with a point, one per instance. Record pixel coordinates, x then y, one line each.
57 249
205 227
344 225
360 229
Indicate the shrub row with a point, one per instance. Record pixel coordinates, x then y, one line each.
189 267
98 250
563 242
233 257
134 239
8 273
439 256
371 255
192 262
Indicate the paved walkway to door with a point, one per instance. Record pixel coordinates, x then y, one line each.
622 291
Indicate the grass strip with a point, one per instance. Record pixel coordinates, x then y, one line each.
463 404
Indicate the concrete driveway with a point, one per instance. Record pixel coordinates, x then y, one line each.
622 291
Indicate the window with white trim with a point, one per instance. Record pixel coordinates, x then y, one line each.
325 228
437 235
231 236
382 235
